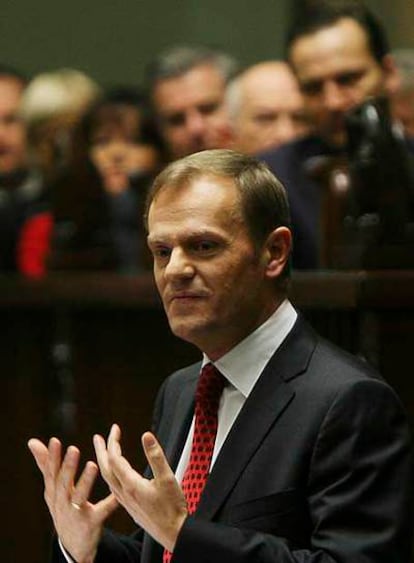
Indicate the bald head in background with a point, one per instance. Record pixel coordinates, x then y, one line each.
266 107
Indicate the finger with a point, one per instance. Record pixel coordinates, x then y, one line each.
40 453
83 488
103 462
155 456
119 465
55 457
114 441
67 473
101 454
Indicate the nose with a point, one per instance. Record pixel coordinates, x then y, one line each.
179 266
285 130
116 151
334 98
196 125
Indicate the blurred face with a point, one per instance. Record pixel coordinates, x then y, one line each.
336 72
117 155
191 111
271 109
211 279
12 131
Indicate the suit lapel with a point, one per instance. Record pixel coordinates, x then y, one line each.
268 399
181 420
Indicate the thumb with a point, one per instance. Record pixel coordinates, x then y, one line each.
106 506
155 455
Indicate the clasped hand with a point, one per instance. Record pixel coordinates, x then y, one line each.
157 505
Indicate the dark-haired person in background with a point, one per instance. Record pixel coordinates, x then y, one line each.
277 447
94 220
340 55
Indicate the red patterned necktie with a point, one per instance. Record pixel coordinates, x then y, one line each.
209 388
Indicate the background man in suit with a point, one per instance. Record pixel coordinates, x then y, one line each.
187 86
311 455
340 55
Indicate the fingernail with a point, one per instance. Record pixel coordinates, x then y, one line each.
150 440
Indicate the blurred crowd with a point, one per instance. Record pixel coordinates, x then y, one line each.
76 157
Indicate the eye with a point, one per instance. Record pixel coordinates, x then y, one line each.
161 252
204 246
11 119
312 88
265 118
349 78
208 108
175 119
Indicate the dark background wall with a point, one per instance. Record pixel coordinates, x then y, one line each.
113 40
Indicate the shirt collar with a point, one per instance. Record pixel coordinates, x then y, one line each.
244 363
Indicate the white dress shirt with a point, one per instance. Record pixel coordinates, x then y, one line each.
242 367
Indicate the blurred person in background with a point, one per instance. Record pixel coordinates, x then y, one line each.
187 87
94 220
340 55
51 107
21 186
402 101
265 107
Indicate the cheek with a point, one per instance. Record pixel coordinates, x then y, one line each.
314 107
18 138
371 85
237 284
173 133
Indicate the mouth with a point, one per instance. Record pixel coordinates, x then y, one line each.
185 297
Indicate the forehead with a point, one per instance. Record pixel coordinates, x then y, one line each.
206 199
117 120
199 84
339 47
273 87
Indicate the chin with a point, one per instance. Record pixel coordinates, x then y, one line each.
189 331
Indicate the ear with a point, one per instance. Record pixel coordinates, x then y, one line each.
392 75
277 251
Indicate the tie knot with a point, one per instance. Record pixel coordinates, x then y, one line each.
209 388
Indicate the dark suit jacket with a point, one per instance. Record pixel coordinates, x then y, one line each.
292 163
315 469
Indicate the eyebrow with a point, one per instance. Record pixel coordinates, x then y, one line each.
160 238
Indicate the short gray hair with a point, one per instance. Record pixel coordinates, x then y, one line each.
179 59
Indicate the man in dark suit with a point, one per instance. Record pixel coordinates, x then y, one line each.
310 457
341 57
